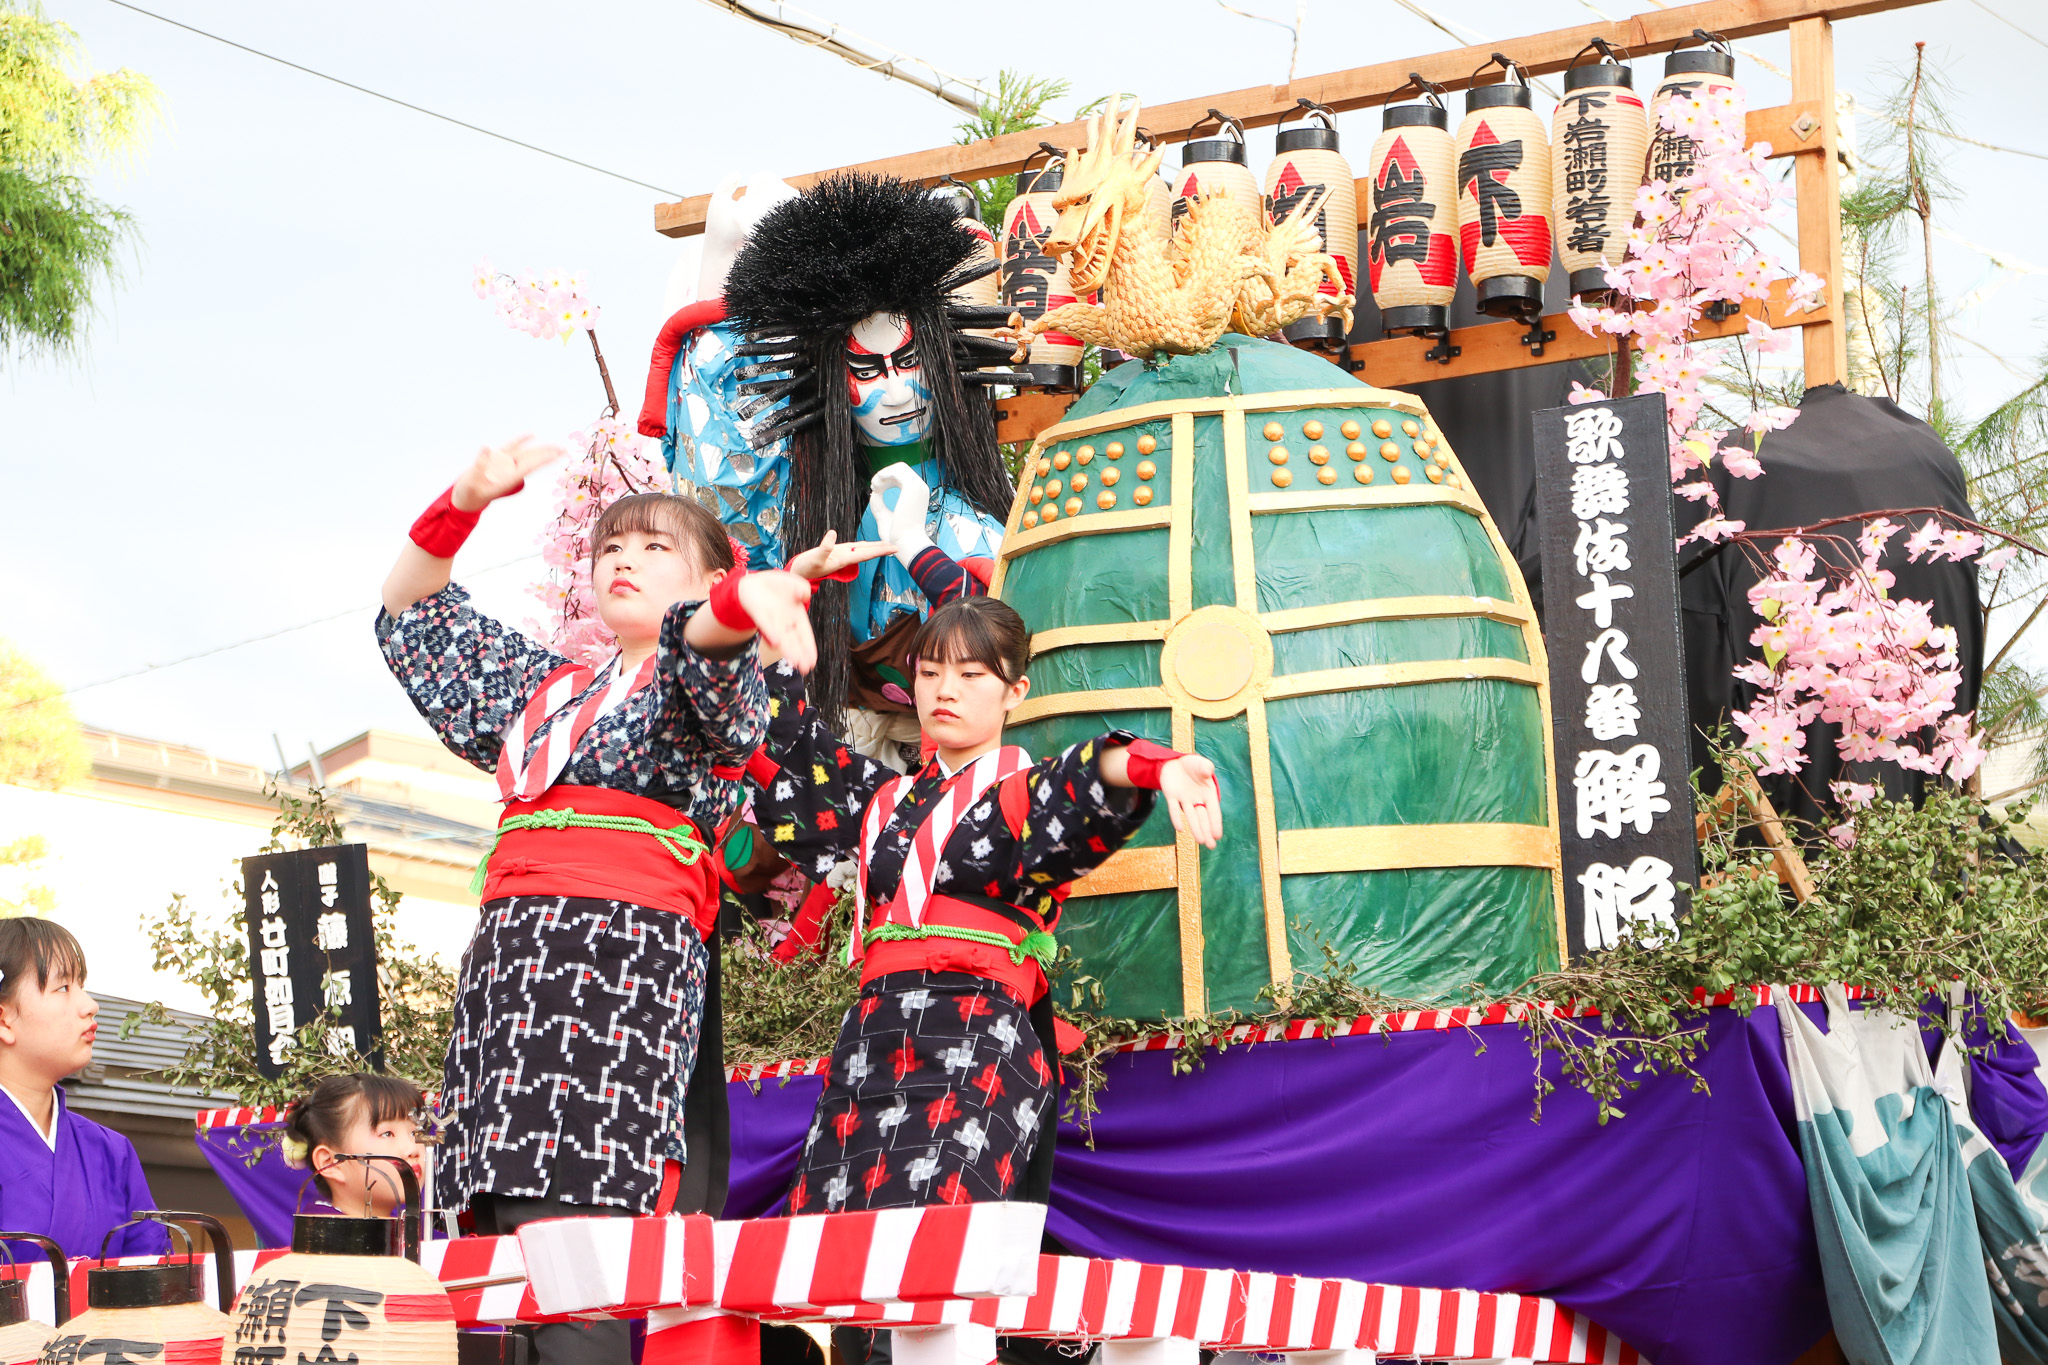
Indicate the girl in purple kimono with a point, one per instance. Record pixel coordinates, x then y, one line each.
62 1176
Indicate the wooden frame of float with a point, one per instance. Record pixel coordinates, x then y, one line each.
1803 129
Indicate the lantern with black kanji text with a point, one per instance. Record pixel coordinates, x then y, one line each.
1690 73
1219 167
22 1338
155 1312
349 1289
1411 251
1033 282
1306 161
1598 136
1504 196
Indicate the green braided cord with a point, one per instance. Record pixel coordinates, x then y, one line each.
681 843
1037 944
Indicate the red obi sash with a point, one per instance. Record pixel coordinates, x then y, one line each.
1025 978
627 864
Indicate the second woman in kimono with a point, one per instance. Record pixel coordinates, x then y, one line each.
943 1083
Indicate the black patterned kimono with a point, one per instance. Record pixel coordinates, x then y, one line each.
577 1019
944 1083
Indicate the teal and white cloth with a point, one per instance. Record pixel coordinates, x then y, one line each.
707 444
885 589
1892 1208
2012 1216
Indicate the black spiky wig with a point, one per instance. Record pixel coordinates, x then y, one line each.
850 246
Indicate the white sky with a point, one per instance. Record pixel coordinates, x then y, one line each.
296 364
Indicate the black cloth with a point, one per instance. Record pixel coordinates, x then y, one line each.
1845 455
574 1045
939 1093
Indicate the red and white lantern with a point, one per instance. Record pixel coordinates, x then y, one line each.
1411 251
1307 160
1504 225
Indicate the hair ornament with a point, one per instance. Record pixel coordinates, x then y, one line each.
296 1152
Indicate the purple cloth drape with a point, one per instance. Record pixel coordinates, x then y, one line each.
1412 1159
269 1191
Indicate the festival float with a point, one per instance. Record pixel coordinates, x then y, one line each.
1269 555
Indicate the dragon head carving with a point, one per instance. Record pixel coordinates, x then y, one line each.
1105 183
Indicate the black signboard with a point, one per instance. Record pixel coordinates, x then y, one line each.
1617 687
312 950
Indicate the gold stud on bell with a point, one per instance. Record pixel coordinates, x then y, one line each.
1278 454
1061 460
1383 428
1363 473
1389 451
1281 478
1146 445
1350 430
1115 450
1142 497
1312 429
1073 507
1356 450
1146 469
1030 520
1274 431
1318 455
1401 475
1110 476
1105 500
1326 475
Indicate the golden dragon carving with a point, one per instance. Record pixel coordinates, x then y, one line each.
1221 268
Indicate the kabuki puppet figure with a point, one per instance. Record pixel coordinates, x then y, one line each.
855 365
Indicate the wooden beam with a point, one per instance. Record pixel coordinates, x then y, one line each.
1022 416
1357 88
1397 363
1816 181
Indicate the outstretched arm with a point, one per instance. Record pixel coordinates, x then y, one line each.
423 565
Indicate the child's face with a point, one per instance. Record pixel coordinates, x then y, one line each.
358 1188
638 576
49 1029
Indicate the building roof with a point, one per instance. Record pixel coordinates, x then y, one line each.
126 1074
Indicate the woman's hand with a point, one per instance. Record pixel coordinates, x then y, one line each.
779 602
902 525
501 471
1188 786
828 557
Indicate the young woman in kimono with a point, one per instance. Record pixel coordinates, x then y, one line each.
62 1176
943 1083
589 983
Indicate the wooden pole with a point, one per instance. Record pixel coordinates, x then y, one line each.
1817 181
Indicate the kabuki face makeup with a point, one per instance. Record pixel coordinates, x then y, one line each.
891 403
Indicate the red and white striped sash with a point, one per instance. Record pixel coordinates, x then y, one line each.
523 778
959 795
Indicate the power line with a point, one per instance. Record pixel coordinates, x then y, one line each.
2007 22
863 52
389 99
238 644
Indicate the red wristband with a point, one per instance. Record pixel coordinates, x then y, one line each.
724 602
443 527
1144 759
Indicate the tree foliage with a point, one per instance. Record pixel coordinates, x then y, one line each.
41 744
58 242
416 994
1022 103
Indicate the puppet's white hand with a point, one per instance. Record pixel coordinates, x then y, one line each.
902 525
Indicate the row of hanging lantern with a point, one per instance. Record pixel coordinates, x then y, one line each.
1498 194
1511 194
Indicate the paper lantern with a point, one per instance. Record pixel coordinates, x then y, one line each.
1217 164
1411 254
1689 73
1306 160
1034 283
986 291
1504 197
1598 136
22 1338
157 1312
353 1288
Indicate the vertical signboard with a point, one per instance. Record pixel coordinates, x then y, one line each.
312 950
1616 668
